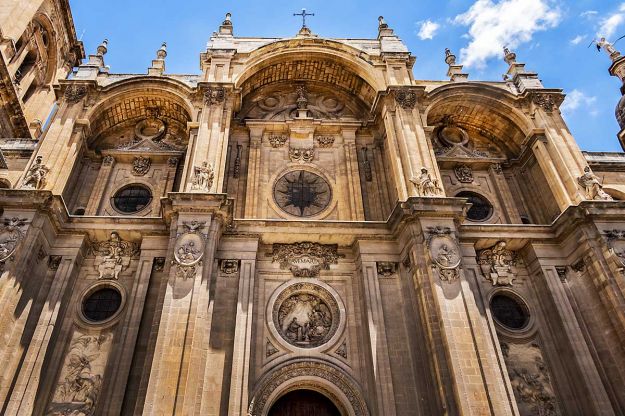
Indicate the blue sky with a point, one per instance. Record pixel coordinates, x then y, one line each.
550 36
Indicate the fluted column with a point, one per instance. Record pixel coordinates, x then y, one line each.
104 175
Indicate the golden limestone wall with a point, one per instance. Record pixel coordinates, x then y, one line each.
299 218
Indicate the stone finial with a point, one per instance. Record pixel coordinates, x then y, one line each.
102 48
509 56
450 58
383 29
161 53
226 27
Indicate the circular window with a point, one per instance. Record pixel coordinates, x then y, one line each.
101 304
509 312
481 208
132 198
302 193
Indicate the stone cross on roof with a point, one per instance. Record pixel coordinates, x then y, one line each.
303 14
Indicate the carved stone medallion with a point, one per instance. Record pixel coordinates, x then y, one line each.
305 259
444 252
464 173
113 256
141 165
189 248
306 315
11 234
498 264
302 193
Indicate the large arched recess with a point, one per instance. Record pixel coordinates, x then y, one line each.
174 94
319 60
489 110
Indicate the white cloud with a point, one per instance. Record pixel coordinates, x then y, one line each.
609 24
575 100
428 30
589 14
577 39
505 23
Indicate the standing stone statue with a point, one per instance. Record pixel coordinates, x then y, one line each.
591 184
203 177
609 48
36 175
426 186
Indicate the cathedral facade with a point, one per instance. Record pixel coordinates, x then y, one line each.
301 228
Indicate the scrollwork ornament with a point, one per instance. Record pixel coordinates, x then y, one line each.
214 95
108 160
277 141
301 155
74 93
464 173
229 266
406 98
325 141
141 165
444 253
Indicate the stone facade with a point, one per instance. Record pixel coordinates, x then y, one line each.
303 214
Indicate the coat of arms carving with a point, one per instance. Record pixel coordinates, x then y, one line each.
498 264
305 259
113 256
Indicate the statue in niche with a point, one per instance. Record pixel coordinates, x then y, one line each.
202 177
36 176
593 187
425 185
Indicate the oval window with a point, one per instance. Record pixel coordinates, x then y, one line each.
101 304
509 312
480 209
132 198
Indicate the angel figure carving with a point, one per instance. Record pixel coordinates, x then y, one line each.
425 185
591 184
202 177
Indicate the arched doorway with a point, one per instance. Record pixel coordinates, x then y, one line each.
304 403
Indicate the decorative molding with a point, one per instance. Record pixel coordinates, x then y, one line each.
35 177
592 186
113 256
444 252
203 177
405 97
229 266
172 162
325 141
141 165
386 268
498 264
214 95
425 185
547 101
277 141
305 259
464 173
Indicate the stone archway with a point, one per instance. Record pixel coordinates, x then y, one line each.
314 375
304 402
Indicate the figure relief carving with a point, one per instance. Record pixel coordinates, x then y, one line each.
80 382
386 268
189 248
277 141
498 264
113 256
444 252
11 234
35 177
464 173
406 98
306 315
593 187
141 165
229 266
214 95
203 178
74 93
325 141
297 154
530 379
305 259
425 185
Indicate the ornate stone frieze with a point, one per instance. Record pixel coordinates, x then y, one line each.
80 381
35 177
229 266
141 165
464 173
270 349
306 315
214 95
113 256
325 141
297 154
405 97
530 379
425 185
498 264
277 141
74 93
592 186
11 234
386 268
305 259
203 177
444 252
